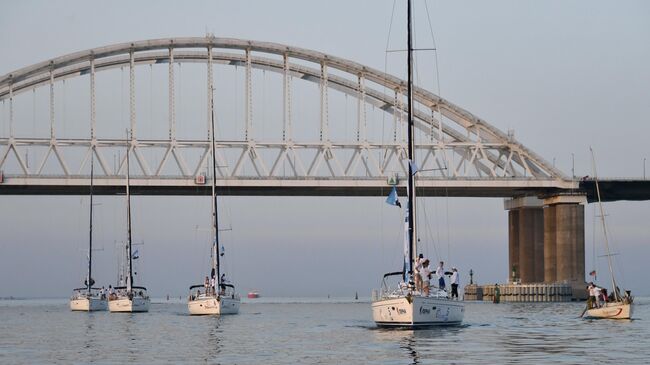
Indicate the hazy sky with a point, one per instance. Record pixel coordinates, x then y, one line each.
565 75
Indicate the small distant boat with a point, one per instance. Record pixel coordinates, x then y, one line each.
129 298
89 299
620 305
253 294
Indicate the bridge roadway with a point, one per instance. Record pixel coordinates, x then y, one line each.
315 186
611 190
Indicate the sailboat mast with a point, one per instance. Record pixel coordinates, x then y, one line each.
411 150
90 234
215 226
602 218
129 283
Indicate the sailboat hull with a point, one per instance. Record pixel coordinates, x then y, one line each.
614 310
137 304
417 311
213 305
88 304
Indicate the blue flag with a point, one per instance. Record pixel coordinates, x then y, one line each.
414 167
393 199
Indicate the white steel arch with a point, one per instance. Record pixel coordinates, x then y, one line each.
461 150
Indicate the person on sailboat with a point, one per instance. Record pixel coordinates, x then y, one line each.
594 293
591 299
206 284
425 276
454 283
418 267
440 273
222 287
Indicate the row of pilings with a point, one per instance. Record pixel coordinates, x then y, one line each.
556 292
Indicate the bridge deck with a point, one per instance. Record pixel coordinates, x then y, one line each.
611 190
280 187
616 189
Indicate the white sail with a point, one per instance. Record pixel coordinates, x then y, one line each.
406 245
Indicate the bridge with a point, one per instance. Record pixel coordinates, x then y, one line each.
457 151
289 121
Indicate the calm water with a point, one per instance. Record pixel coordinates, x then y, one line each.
311 332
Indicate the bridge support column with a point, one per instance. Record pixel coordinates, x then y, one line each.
526 239
550 244
513 245
564 242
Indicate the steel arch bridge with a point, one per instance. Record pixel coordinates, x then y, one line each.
458 154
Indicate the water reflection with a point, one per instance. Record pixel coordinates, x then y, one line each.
89 332
409 345
213 338
424 345
125 332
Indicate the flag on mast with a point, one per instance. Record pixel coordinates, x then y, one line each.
414 167
392 198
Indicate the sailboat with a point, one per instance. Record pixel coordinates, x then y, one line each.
216 295
89 299
620 305
129 298
405 305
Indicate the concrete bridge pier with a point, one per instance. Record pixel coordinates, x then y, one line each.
526 240
564 242
546 241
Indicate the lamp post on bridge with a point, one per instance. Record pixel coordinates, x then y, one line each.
573 166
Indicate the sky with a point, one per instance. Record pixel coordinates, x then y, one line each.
563 75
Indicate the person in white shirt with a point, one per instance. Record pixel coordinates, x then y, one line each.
454 283
596 294
440 273
425 276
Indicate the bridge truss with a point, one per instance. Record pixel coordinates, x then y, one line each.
457 152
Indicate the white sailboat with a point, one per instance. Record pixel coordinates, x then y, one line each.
215 296
89 299
620 305
129 298
404 305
